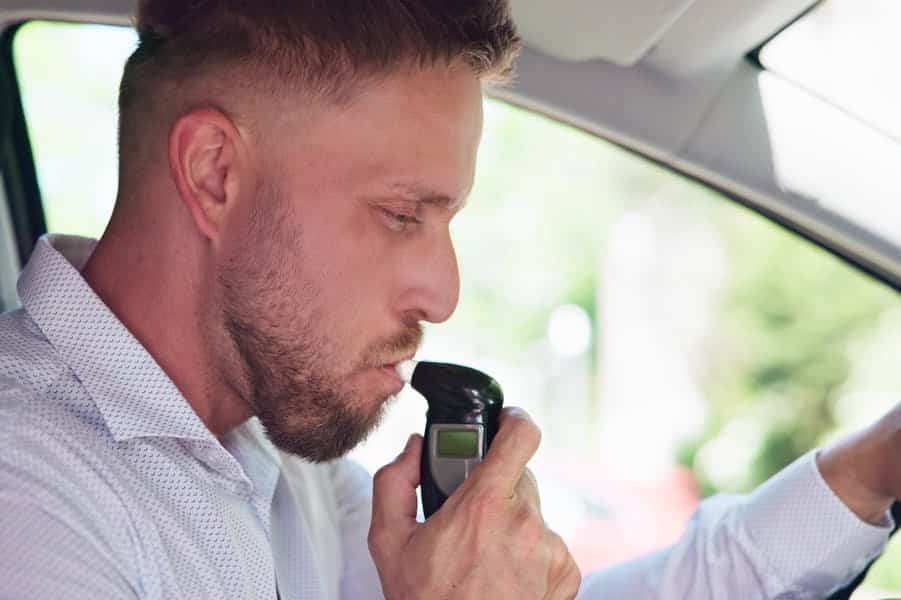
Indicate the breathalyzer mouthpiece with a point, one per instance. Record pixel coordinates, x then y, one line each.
454 390
405 370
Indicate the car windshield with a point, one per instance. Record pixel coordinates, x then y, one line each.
846 51
829 93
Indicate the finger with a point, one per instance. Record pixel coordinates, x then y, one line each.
516 441
527 488
567 586
565 576
394 498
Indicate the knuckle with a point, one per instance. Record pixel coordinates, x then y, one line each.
560 555
529 484
572 582
528 524
522 515
573 572
381 476
374 540
574 579
527 492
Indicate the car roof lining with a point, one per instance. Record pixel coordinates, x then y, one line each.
679 36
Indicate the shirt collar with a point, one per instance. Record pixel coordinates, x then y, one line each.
258 457
132 392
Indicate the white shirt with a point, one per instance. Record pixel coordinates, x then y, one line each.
112 487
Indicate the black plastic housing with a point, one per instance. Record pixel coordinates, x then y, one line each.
456 395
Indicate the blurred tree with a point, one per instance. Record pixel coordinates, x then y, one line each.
781 355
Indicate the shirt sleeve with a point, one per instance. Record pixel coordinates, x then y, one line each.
359 577
791 538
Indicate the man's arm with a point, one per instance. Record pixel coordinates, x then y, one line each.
792 538
864 470
808 531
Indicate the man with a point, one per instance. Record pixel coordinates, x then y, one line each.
176 397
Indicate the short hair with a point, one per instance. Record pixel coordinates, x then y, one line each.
320 48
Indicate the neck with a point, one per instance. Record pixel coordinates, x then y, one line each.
155 282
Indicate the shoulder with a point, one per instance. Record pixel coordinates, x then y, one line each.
50 453
63 521
56 457
63 506
27 358
45 412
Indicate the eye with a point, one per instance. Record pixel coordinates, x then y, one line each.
400 221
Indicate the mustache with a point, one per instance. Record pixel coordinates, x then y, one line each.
394 348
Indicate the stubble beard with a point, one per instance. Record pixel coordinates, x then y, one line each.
299 407
287 371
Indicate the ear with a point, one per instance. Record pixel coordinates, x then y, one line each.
206 161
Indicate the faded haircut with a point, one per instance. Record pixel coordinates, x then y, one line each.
320 49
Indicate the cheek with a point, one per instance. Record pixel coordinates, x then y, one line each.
348 311
356 294
353 258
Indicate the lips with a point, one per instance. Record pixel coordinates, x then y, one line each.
393 365
390 373
390 369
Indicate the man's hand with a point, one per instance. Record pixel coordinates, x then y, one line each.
864 470
487 541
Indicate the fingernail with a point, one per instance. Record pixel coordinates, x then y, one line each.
515 411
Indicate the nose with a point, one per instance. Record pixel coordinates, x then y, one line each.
431 281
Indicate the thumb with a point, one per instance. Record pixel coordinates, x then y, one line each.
394 499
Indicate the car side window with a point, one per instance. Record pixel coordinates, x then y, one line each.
670 343
9 263
69 78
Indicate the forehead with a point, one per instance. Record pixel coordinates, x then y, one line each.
414 128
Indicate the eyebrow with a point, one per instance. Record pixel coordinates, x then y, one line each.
426 195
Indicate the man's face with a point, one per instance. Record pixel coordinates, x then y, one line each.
342 250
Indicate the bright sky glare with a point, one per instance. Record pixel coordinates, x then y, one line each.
849 53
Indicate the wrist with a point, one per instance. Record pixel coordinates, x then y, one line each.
853 470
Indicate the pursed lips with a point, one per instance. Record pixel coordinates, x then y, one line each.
390 369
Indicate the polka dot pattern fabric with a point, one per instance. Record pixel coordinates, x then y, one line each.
112 487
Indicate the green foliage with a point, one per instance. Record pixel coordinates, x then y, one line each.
787 319
885 573
554 187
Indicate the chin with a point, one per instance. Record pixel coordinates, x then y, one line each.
328 433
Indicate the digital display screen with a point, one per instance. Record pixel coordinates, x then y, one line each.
461 443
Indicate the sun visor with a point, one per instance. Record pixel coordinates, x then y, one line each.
619 31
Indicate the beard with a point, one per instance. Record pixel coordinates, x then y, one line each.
304 409
292 375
